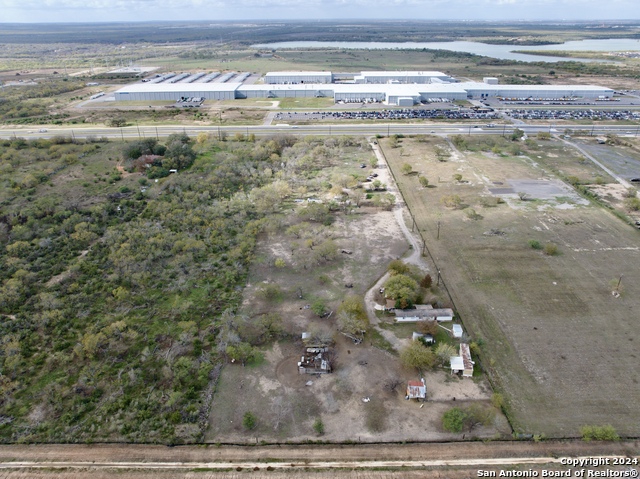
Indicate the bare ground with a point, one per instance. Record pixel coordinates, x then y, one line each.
476 455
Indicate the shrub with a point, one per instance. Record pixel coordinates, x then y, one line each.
318 427
453 420
599 433
451 201
497 400
551 249
424 181
319 307
249 421
535 244
632 204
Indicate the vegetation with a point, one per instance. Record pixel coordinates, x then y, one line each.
119 295
599 433
457 419
403 289
318 427
249 421
417 355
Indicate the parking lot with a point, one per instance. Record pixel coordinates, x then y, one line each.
397 114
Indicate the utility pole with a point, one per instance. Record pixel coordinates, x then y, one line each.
438 236
619 281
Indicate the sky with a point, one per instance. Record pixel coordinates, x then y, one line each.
35 11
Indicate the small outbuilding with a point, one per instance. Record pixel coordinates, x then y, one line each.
457 331
462 364
416 390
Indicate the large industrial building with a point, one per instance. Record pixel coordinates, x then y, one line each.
398 88
298 77
403 77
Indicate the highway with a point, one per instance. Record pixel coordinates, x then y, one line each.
385 129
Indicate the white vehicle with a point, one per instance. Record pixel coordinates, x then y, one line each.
42 130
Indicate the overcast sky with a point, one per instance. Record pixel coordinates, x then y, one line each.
144 10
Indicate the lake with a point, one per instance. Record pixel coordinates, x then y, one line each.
503 52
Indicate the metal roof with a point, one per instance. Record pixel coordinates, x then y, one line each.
541 88
178 87
280 74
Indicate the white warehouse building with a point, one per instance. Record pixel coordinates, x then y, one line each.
395 93
403 77
175 91
273 78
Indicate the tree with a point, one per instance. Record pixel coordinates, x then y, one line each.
517 134
241 352
453 420
319 307
478 415
319 336
429 326
417 356
443 352
426 281
249 421
385 201
326 251
424 181
351 324
402 288
398 267
406 169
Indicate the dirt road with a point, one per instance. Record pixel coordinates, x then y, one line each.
413 258
430 460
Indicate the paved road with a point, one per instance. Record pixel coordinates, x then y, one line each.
142 131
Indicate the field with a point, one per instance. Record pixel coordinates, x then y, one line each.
555 340
286 403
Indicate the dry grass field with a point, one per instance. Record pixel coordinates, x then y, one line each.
556 341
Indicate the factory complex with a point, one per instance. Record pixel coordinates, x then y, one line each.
399 88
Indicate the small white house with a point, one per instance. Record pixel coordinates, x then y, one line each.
422 314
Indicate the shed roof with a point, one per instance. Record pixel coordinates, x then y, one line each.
456 363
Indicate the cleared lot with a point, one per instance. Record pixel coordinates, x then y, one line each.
560 346
623 160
